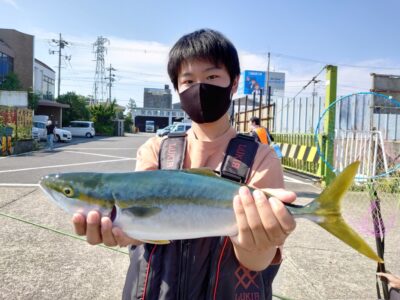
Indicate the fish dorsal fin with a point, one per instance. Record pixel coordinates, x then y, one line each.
142 212
202 171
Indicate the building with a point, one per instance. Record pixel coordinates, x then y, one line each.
43 80
157 98
161 117
17 55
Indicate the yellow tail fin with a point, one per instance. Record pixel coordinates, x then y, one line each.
332 221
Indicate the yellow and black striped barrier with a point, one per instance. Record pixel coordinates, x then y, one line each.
300 152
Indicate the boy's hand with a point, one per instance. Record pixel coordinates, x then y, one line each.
393 280
99 230
263 224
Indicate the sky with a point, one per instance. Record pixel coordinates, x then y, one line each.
359 36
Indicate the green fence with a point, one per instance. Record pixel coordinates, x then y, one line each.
294 146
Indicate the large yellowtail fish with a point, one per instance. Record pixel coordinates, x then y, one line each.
163 205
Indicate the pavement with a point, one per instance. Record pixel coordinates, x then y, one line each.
40 260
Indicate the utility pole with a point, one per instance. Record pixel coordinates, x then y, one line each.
61 44
268 92
314 94
111 79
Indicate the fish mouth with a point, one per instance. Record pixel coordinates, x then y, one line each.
113 213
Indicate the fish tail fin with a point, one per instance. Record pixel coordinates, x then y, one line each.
327 208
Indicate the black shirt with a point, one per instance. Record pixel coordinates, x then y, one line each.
50 129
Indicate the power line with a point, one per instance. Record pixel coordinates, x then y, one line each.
332 63
303 88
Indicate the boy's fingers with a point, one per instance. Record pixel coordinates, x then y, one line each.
93 235
244 236
387 276
269 221
106 232
285 219
79 222
281 194
122 239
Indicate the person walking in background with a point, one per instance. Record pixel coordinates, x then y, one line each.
260 133
50 135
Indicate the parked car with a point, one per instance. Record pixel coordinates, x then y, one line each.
81 128
181 127
164 131
39 132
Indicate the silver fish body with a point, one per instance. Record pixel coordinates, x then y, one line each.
156 205
165 205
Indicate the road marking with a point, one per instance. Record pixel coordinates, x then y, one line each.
95 154
100 148
293 180
67 165
19 184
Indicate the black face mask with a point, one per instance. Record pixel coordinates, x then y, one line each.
206 103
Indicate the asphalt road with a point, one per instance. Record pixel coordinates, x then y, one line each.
38 263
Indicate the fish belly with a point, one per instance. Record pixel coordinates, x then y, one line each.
176 222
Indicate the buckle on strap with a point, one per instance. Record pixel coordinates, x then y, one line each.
239 158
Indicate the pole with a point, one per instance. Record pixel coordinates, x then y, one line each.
109 86
260 105
268 89
329 126
59 67
110 80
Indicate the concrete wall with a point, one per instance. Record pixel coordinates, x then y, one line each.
14 98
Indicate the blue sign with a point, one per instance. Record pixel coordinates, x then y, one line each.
254 81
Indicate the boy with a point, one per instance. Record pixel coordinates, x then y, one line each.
204 69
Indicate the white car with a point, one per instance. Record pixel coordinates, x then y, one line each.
180 127
81 128
39 132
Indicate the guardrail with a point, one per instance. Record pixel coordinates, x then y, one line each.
299 152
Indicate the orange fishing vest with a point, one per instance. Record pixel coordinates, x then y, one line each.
262 135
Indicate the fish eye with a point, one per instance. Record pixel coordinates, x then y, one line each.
68 192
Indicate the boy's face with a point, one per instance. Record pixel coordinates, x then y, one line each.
203 71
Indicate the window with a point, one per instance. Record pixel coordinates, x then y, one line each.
6 66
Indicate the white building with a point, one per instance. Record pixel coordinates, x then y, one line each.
43 80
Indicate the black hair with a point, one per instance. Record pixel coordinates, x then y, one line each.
255 120
203 44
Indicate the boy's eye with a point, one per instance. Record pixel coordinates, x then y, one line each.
187 81
211 77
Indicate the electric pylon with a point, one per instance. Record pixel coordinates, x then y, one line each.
99 86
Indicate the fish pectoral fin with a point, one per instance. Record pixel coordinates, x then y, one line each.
156 242
143 212
202 171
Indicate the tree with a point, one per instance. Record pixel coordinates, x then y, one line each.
33 100
131 105
11 83
128 123
78 109
103 115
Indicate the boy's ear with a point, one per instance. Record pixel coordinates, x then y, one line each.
235 84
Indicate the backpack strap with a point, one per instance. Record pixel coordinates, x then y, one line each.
172 152
237 163
239 158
